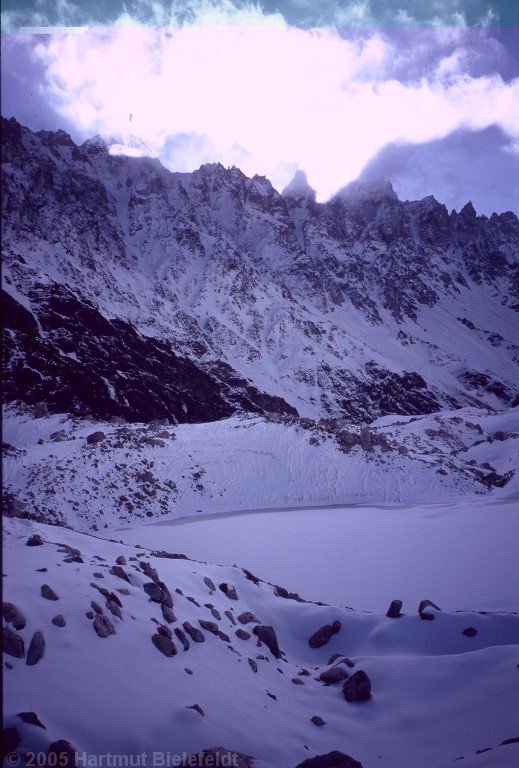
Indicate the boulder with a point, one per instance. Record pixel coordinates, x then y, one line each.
247 618
103 626
61 753
121 560
164 644
36 649
114 609
267 635
96 607
13 615
153 591
193 633
324 634
34 541
333 759
59 620
253 665
393 612
229 591
48 593
12 644
242 634
183 639
168 614
95 437
209 583
333 675
116 570
209 626
316 720
31 718
470 632
357 687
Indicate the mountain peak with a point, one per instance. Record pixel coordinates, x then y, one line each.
299 186
376 189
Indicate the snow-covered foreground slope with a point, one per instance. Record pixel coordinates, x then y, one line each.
140 472
464 553
438 693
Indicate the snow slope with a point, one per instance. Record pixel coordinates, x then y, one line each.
437 694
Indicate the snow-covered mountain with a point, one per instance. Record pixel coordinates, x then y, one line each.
115 268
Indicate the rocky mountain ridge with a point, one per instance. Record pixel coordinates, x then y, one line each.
260 301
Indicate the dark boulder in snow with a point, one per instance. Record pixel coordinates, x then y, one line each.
197 708
323 635
333 675
10 740
393 612
48 593
209 583
253 665
209 626
193 633
116 570
470 632
357 687
168 614
12 644
96 607
59 620
13 615
316 720
242 634
333 759
230 617
427 604
297 681
164 644
103 626
95 437
121 560
267 635
183 639
36 649
247 618
34 541
229 591
31 718
114 609
62 753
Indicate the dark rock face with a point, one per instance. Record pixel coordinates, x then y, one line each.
267 635
12 644
357 687
36 649
393 612
95 437
323 635
333 759
35 540
48 593
12 615
103 626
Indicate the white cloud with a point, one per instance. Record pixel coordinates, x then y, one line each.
241 86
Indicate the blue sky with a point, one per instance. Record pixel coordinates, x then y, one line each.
423 93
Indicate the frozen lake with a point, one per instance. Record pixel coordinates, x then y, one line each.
460 555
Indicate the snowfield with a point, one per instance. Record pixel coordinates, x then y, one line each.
437 694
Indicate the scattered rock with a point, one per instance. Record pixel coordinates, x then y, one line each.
61 753
34 541
164 644
97 608
297 681
210 626
98 575
427 604
10 740
48 593
333 675
333 759
230 617
394 609
121 560
229 591
316 720
103 626
95 437
247 618
323 635
197 708
12 615
253 665
59 620
183 639
209 583
31 718
89 615
116 570
114 609
470 632
357 687
164 631
12 644
242 634
223 636
193 632
36 649
168 614
267 635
